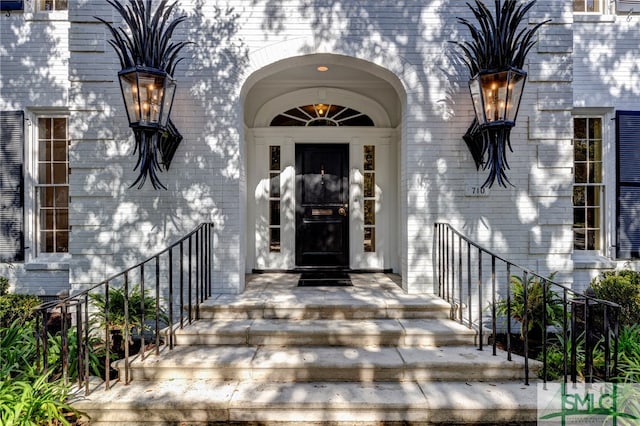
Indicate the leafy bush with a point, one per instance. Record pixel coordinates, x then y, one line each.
535 308
559 348
623 288
28 397
116 320
17 307
4 286
629 354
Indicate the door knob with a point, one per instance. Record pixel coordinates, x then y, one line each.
342 211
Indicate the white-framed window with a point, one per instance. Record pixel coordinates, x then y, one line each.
52 5
588 188
50 176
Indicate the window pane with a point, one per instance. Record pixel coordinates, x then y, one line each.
62 219
59 173
369 157
595 128
46 197
580 128
62 4
579 218
369 212
44 151
369 185
581 173
44 128
60 151
580 150
46 242
274 185
60 128
274 239
593 217
593 240
593 196
62 242
275 158
46 219
62 196
579 196
274 217
369 240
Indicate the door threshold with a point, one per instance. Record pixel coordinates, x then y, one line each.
301 269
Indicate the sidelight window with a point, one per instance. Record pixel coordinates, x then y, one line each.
274 199
369 192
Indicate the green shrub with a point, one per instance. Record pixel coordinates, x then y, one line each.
17 307
629 354
4 286
623 288
535 308
559 348
27 396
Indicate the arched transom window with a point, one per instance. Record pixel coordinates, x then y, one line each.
322 115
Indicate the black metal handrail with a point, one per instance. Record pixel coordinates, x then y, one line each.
585 320
179 289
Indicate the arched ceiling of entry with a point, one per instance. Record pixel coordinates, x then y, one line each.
301 72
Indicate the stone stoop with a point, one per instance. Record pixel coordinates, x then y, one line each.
358 355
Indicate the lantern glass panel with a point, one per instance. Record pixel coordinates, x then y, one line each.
494 93
476 97
129 87
516 87
169 92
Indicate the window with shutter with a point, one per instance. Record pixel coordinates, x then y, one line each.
628 184
11 186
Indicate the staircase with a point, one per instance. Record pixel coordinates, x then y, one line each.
367 354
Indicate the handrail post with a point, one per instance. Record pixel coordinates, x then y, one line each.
469 303
86 344
65 342
142 311
157 330
107 337
480 298
525 324
459 308
509 357
170 299
126 330
494 327
181 302
544 330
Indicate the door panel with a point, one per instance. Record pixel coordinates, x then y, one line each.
322 209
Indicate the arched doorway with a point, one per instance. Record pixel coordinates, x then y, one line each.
322 169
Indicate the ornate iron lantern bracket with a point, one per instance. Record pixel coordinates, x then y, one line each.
495 59
148 60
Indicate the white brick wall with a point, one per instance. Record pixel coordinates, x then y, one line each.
114 226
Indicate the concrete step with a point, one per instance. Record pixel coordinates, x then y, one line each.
327 364
367 332
209 402
326 305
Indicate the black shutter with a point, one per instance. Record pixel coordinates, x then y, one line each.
11 186
628 184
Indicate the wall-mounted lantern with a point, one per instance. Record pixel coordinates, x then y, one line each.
496 96
148 96
148 59
495 58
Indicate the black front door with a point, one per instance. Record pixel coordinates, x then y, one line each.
322 205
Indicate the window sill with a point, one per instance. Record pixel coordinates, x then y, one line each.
593 18
46 266
592 261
